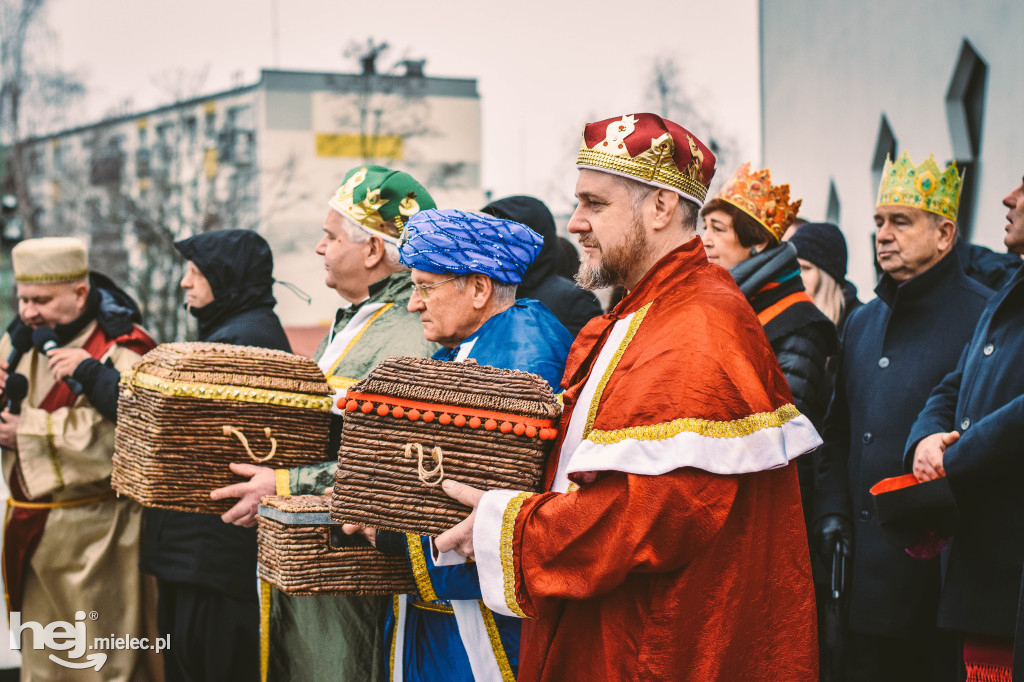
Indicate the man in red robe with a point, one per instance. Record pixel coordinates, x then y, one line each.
670 544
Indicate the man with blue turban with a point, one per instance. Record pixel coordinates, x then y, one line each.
465 269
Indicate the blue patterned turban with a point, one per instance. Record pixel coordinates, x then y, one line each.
464 243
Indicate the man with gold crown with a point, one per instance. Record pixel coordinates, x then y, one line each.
341 637
971 432
895 350
70 546
670 543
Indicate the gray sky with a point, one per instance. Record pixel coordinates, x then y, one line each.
543 68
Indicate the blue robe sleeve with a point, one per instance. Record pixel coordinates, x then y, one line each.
440 582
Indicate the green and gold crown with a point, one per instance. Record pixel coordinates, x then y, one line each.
924 187
380 200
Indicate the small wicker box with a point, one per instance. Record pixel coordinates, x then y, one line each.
414 422
302 552
186 410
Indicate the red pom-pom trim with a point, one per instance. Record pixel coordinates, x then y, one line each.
383 409
428 416
474 423
413 414
505 427
519 429
351 405
490 424
445 419
367 407
531 431
398 412
459 420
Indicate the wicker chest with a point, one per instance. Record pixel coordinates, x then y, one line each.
301 552
414 422
187 410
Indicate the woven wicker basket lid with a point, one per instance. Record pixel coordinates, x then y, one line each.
221 364
297 503
297 510
462 384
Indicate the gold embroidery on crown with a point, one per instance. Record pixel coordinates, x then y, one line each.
650 165
925 186
753 193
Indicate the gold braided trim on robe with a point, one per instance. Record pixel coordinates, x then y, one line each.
735 428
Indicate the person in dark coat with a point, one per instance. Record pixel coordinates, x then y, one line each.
984 265
573 306
895 349
205 568
743 235
971 430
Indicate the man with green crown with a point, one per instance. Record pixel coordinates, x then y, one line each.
341 637
895 350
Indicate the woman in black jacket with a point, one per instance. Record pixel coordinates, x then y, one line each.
205 568
743 226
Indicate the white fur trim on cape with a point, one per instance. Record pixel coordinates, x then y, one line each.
765 448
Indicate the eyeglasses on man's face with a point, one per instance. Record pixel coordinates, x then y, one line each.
422 289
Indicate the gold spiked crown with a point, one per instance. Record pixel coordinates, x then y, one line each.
924 187
754 194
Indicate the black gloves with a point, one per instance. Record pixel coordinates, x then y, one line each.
830 529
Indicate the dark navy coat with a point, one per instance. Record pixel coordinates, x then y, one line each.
983 399
894 351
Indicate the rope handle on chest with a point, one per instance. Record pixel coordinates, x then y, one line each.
231 430
426 475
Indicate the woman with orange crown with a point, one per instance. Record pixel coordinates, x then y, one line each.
743 228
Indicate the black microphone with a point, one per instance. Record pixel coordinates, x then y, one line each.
21 343
45 340
16 389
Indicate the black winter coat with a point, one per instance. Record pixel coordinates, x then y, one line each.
573 306
983 399
800 334
984 265
200 549
895 350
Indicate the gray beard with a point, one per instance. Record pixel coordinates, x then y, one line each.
617 263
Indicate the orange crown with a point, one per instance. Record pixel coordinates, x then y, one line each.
754 194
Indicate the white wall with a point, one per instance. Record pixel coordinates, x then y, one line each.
830 69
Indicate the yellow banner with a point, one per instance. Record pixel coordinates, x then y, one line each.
359 146
210 163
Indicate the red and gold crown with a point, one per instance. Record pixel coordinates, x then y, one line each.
754 194
648 148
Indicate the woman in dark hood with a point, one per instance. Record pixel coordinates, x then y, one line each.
239 267
573 306
205 568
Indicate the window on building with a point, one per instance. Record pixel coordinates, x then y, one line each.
885 147
965 114
832 207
